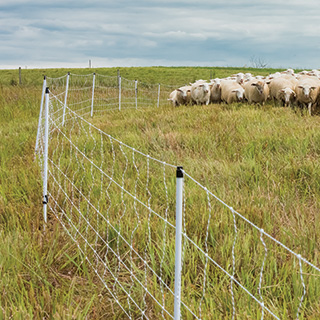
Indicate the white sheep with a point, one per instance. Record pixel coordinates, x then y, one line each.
256 91
231 91
248 76
238 77
186 94
307 92
289 72
215 95
283 90
177 97
200 93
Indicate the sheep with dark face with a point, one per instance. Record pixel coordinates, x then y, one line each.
256 91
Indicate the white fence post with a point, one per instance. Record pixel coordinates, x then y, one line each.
158 103
93 83
178 248
119 93
65 98
136 92
45 157
40 115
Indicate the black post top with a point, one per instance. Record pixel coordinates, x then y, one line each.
47 89
179 172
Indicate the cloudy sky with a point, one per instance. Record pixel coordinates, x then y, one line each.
62 33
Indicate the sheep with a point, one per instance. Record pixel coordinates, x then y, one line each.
307 91
315 73
247 76
177 97
256 91
187 94
215 95
239 77
283 90
200 93
289 72
231 91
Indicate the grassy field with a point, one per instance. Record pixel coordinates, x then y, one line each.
262 161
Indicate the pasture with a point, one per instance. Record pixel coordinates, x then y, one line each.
262 161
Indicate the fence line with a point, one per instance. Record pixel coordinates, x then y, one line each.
109 199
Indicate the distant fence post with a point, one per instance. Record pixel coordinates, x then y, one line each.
20 77
93 84
40 115
158 102
136 92
65 98
119 79
45 157
178 248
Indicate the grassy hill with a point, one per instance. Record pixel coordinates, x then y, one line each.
263 161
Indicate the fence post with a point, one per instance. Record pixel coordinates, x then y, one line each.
158 103
20 77
136 92
93 83
65 98
178 248
40 115
45 157
119 93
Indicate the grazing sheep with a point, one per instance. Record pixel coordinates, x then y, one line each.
256 91
307 92
231 91
283 90
200 93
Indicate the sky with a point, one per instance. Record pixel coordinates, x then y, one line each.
119 33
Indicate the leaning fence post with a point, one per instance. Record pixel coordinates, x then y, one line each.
45 157
40 115
158 103
93 83
65 98
136 92
119 93
178 248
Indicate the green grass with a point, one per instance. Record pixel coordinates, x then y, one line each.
264 162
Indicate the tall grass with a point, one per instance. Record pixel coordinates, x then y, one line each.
262 161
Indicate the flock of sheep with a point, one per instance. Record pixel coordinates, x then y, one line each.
287 87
